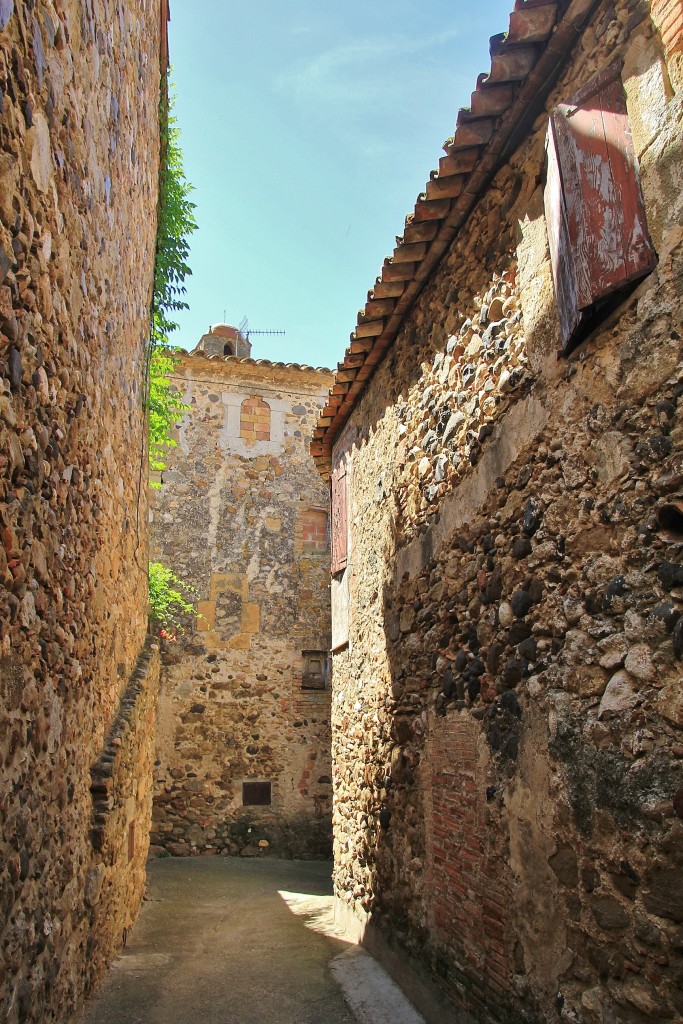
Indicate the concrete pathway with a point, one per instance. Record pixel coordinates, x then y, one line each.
234 941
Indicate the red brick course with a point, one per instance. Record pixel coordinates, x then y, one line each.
314 530
471 922
255 420
668 17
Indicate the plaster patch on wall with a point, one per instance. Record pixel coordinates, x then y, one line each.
249 613
186 421
216 639
340 610
254 566
530 807
215 494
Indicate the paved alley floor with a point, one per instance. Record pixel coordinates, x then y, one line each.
234 941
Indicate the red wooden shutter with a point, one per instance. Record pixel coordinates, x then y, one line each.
598 234
339 520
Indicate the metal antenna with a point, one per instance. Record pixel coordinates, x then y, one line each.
248 332
245 330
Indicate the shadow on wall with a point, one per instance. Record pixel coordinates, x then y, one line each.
517 601
529 728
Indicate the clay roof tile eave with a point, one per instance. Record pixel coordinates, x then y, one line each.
525 64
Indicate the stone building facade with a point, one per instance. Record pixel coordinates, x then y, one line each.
79 149
243 758
506 461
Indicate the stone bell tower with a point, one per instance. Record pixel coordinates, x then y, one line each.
224 340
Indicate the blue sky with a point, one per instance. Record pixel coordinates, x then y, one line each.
308 130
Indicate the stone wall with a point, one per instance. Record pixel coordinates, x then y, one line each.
79 90
507 744
242 516
121 791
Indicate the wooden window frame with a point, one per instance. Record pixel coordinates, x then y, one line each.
339 527
599 242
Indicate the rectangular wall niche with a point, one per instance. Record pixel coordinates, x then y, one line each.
256 794
314 675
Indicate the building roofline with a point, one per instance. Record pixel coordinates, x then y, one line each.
525 65
249 361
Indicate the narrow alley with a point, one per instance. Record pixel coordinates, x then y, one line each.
239 940
420 611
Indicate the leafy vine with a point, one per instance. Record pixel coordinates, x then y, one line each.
168 594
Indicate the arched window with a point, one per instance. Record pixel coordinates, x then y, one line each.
228 349
255 419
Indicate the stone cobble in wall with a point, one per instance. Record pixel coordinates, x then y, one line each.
465 390
242 515
507 746
121 793
79 92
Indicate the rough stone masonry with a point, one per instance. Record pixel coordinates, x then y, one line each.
243 748
508 611
79 144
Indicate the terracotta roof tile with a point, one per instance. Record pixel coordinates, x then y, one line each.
525 63
248 361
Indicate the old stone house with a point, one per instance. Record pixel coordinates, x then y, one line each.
79 157
505 452
243 754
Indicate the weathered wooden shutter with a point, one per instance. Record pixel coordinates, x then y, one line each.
339 520
564 267
597 230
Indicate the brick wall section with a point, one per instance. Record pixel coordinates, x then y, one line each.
470 902
312 531
255 420
668 17
511 578
78 189
239 516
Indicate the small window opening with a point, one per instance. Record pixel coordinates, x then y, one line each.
256 794
314 675
670 520
228 349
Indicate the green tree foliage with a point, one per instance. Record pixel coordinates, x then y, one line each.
175 225
169 596
164 408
